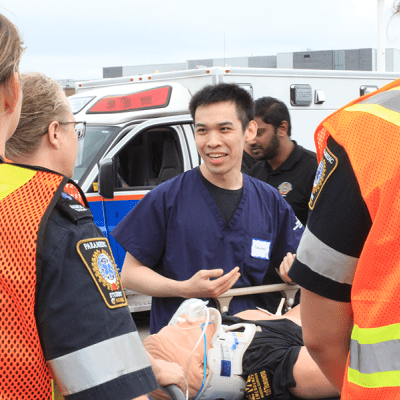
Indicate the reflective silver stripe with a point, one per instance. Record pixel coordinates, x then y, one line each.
99 363
377 357
324 260
389 100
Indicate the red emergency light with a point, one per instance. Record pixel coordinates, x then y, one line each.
144 100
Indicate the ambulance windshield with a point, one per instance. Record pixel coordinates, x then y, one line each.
96 138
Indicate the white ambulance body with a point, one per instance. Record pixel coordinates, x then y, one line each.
140 133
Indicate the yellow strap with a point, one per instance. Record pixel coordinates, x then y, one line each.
378 111
375 380
376 335
12 178
55 391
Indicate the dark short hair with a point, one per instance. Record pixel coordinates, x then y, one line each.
225 92
273 111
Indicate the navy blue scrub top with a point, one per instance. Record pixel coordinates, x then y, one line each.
177 230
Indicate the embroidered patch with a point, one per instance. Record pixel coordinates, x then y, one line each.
327 165
98 258
66 196
298 224
260 249
258 386
78 207
284 188
72 208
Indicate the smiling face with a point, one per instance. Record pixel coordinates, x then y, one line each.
220 141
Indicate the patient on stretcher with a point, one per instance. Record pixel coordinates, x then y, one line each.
275 365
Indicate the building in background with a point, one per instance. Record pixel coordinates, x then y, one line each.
352 60
68 86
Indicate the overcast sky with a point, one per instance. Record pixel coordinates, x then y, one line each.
75 39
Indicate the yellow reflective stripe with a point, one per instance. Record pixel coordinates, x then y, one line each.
375 380
376 335
12 178
378 111
395 88
55 391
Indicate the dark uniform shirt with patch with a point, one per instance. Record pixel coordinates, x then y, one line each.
294 178
80 305
338 225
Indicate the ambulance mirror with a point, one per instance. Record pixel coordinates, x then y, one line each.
106 178
301 95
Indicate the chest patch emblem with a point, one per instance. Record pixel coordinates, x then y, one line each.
97 256
284 188
328 164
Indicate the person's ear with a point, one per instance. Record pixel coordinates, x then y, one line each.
283 128
251 131
53 133
12 93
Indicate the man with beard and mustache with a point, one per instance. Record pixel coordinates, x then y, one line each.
286 166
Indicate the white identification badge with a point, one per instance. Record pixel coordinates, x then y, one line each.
260 249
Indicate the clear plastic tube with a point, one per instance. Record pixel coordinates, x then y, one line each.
203 332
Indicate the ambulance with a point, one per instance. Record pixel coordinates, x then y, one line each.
139 133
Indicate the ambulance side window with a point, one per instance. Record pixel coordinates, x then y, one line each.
150 158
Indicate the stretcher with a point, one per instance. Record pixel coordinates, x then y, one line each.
288 292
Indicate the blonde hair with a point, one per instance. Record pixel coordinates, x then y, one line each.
11 51
41 105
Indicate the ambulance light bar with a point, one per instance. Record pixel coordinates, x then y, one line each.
144 100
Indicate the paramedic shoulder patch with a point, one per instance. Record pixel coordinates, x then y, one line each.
96 255
258 386
325 169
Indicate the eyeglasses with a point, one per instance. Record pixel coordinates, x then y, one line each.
80 128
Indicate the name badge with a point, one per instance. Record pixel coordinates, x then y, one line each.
260 249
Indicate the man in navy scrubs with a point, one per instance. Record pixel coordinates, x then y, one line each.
210 228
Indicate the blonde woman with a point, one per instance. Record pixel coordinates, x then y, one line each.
63 311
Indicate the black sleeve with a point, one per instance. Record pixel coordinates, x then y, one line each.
337 227
259 171
87 333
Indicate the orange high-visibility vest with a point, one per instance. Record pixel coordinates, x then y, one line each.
369 130
26 198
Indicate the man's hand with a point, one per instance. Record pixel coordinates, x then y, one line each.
201 285
142 279
167 373
285 266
